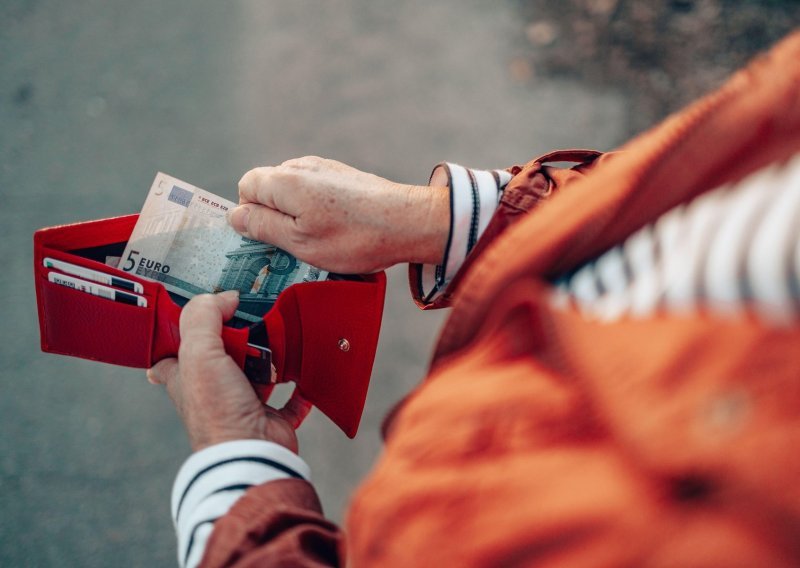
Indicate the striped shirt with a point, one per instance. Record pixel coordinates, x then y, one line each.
731 252
213 479
734 250
474 196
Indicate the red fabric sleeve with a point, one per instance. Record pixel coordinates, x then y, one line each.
279 523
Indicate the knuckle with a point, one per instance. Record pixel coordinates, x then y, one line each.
246 181
252 180
312 163
293 163
284 177
261 178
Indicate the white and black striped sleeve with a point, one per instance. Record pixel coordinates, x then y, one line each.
213 479
474 196
733 251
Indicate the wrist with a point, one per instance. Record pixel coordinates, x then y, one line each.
260 427
214 440
201 440
423 225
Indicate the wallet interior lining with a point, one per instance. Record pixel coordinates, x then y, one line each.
99 253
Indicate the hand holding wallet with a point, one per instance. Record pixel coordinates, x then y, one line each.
322 335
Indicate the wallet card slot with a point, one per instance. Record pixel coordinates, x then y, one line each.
83 325
150 288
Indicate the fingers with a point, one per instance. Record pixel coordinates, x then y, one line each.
207 312
267 207
257 187
201 322
263 224
239 218
163 371
273 186
295 410
227 301
167 372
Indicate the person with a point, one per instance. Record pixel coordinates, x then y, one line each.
617 381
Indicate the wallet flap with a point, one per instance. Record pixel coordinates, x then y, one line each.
324 338
76 236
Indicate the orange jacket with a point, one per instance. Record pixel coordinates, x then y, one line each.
543 438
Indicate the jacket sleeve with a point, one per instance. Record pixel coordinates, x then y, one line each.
483 204
279 523
240 502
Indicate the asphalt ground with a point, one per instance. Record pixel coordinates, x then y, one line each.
96 96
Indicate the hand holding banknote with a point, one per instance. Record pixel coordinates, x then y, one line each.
182 239
341 219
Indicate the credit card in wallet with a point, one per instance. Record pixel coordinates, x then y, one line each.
97 289
94 275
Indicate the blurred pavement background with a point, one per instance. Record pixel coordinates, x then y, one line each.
96 96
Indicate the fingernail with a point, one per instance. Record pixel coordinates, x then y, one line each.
229 293
151 378
238 218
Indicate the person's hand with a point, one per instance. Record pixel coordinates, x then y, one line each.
341 219
212 395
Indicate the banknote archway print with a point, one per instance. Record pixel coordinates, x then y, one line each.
259 271
282 262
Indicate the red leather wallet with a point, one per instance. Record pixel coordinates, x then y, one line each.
323 335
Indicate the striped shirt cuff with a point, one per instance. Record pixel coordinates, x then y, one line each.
474 197
213 479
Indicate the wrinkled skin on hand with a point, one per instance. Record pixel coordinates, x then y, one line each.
341 219
211 393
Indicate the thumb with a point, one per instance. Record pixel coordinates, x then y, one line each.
262 223
227 301
163 371
295 410
202 318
